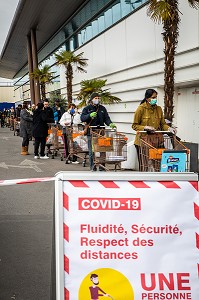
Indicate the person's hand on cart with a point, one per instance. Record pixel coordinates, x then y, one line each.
172 130
93 114
149 129
112 125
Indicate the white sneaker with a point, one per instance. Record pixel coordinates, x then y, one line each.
75 162
44 157
36 157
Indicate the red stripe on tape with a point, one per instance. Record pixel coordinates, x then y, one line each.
109 184
66 294
66 264
66 232
170 184
32 180
25 181
139 184
194 184
197 241
78 183
65 201
196 211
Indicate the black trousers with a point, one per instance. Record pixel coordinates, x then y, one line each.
40 141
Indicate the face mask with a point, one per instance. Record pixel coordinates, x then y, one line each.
72 111
153 101
95 101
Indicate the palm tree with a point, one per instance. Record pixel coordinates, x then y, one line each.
69 59
44 76
95 85
167 13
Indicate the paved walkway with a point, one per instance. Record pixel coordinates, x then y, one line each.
26 215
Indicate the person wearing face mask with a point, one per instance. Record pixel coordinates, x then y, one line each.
95 114
149 117
70 118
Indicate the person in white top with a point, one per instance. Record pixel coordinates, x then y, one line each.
69 120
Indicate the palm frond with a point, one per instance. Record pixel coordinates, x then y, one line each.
159 11
194 3
95 85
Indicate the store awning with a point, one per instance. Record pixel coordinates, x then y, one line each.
46 16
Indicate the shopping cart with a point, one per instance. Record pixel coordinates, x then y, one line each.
12 123
54 141
109 147
76 143
154 145
16 127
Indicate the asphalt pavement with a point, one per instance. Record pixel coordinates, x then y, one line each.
26 221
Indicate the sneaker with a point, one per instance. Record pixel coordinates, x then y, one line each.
36 157
75 162
44 157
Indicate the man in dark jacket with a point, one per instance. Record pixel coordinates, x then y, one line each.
40 131
96 115
49 111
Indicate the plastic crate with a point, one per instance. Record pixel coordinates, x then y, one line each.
155 153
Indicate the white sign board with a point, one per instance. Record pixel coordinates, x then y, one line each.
126 236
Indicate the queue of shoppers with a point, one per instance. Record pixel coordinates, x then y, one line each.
35 119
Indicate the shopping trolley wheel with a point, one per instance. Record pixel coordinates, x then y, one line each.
84 164
55 153
61 158
52 156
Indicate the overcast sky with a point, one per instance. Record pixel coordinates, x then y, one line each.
7 11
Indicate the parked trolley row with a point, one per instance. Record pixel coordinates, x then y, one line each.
159 152
109 146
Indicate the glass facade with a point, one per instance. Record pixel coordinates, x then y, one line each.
94 18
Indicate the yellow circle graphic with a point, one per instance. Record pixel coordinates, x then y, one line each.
111 282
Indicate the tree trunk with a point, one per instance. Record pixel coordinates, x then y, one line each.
43 91
170 35
69 79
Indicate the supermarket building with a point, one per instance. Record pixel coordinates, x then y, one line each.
122 44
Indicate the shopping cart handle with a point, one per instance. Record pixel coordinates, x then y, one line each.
97 126
156 131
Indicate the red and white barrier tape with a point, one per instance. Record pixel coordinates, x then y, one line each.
25 181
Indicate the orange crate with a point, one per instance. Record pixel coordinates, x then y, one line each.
104 141
59 133
155 153
49 131
75 134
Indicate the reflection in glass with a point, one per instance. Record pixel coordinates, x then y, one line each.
91 20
